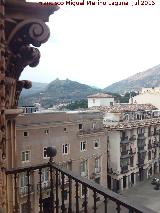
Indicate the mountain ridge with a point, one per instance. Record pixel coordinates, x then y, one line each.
148 78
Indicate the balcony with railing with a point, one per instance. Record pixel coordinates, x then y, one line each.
141 145
80 195
155 144
140 162
124 140
149 146
124 169
141 136
133 138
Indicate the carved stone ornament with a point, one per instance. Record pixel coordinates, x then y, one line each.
20 54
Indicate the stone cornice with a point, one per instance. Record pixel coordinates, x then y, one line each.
25 10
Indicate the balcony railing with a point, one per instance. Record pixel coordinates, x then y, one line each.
155 144
124 152
75 203
124 140
149 146
124 169
141 136
133 138
140 162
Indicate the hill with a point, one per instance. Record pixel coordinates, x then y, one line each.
148 78
59 91
36 87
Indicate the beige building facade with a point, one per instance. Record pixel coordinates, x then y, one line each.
147 96
79 138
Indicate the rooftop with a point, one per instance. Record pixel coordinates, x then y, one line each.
132 124
119 108
100 95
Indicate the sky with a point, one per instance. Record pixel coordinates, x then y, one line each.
99 45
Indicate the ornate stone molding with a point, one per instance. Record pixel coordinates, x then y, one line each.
25 31
21 54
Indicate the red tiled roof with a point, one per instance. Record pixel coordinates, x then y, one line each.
100 95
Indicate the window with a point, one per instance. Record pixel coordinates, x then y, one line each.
23 180
45 175
149 155
80 126
83 145
25 134
94 125
46 131
23 184
45 152
94 101
65 129
65 149
83 167
97 165
25 156
111 103
96 143
131 161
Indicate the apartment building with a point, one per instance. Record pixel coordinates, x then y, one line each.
147 95
81 144
133 143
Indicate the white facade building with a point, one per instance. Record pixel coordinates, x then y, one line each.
133 140
147 95
100 99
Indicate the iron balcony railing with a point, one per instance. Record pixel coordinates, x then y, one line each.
81 194
124 152
141 136
124 169
133 138
140 162
150 146
124 140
